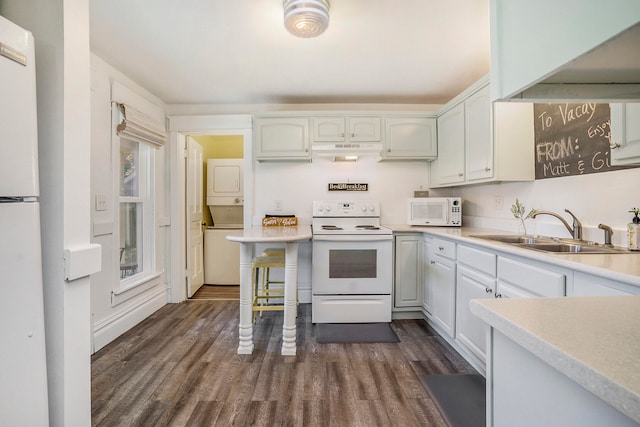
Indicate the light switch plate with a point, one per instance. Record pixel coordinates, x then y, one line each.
101 202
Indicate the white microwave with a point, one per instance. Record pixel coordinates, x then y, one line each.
435 211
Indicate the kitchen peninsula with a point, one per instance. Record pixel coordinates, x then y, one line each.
250 236
574 361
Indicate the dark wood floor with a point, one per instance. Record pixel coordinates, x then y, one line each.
179 367
218 292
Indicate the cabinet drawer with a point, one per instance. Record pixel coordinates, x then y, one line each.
445 248
482 261
530 278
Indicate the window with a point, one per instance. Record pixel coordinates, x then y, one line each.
136 210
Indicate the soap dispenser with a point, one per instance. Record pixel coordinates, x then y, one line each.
633 231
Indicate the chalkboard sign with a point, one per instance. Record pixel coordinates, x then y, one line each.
572 139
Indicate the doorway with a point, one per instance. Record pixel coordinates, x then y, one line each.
211 132
222 179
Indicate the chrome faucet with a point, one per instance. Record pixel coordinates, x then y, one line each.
576 230
608 232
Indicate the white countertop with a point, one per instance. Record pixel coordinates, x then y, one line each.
621 267
259 234
595 341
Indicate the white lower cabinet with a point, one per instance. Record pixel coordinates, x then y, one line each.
525 278
475 279
442 285
408 287
587 285
427 291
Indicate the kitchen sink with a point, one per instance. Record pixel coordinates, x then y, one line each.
515 238
554 244
568 248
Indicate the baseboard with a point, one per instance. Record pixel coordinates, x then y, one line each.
122 321
406 315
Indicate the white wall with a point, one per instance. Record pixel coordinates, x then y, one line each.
594 199
114 315
297 185
61 32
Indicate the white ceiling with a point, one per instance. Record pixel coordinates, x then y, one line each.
238 51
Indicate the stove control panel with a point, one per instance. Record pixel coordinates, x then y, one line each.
337 209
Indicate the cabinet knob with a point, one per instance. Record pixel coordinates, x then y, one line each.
353 135
460 174
488 290
487 169
441 248
432 262
498 295
342 135
388 150
614 145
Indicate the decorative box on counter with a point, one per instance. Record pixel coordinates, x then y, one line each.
279 220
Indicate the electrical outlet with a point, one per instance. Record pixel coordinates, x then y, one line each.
499 205
277 205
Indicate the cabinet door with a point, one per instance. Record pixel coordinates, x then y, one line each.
410 138
328 129
586 285
470 331
448 168
518 279
442 279
427 291
479 148
282 138
625 134
364 129
408 271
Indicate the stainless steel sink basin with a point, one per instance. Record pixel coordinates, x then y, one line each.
553 244
567 248
515 238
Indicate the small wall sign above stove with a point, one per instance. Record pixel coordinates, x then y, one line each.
347 186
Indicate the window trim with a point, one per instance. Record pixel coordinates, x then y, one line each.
146 196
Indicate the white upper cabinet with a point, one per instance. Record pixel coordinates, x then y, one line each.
341 129
479 147
625 134
410 138
282 138
480 141
448 168
539 54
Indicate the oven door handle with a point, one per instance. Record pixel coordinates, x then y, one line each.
352 237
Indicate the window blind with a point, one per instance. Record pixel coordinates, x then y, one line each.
137 126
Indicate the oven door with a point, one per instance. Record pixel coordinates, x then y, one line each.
352 265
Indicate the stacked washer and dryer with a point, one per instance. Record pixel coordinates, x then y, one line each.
225 201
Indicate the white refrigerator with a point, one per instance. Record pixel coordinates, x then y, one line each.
23 370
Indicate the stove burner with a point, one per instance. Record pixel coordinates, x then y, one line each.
331 227
368 227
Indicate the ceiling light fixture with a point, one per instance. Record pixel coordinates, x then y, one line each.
306 18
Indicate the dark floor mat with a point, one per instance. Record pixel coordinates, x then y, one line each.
354 333
460 398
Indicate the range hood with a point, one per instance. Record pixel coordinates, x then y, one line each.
347 149
609 72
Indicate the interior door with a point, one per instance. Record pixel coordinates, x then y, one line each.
195 237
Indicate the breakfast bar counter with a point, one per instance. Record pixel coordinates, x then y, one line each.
290 235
